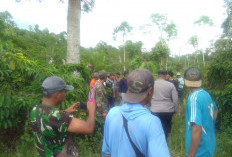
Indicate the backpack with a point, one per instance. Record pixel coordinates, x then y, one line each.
91 96
181 83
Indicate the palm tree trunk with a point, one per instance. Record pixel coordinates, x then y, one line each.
73 30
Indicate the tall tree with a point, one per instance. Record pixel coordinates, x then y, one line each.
227 24
73 27
160 20
204 21
194 42
123 29
171 32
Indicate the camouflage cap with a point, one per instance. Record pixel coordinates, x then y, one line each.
192 77
95 75
54 84
139 81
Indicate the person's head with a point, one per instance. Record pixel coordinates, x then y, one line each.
178 75
140 86
117 74
102 75
96 75
111 75
169 75
90 66
54 88
162 74
125 74
192 79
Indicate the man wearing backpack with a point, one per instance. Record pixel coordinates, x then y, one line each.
110 89
131 130
52 127
200 115
100 95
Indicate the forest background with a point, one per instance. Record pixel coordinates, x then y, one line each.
27 57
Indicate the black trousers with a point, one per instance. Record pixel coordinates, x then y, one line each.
166 121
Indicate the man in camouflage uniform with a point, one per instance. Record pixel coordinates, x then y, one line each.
51 126
101 95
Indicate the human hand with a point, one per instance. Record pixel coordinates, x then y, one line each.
91 107
73 108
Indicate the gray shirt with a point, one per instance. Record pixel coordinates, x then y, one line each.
165 98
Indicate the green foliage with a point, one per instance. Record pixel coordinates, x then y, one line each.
171 31
160 52
204 20
194 41
103 56
136 63
226 25
123 28
133 49
160 20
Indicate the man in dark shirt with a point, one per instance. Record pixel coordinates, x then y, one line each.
122 87
170 79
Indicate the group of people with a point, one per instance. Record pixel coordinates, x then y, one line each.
106 88
139 126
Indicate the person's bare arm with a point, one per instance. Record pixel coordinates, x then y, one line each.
215 114
195 139
80 126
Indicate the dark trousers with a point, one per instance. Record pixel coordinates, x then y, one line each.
180 92
110 102
166 121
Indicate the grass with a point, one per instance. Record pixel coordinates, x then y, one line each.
176 139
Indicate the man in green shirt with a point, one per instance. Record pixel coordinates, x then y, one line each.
52 126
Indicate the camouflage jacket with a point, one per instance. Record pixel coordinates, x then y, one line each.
109 87
101 98
53 126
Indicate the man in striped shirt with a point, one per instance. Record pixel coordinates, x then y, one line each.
200 116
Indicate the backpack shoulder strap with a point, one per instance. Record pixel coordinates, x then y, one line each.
137 151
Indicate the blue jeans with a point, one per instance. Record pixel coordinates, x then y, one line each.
122 98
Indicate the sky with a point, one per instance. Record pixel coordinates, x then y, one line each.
99 24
